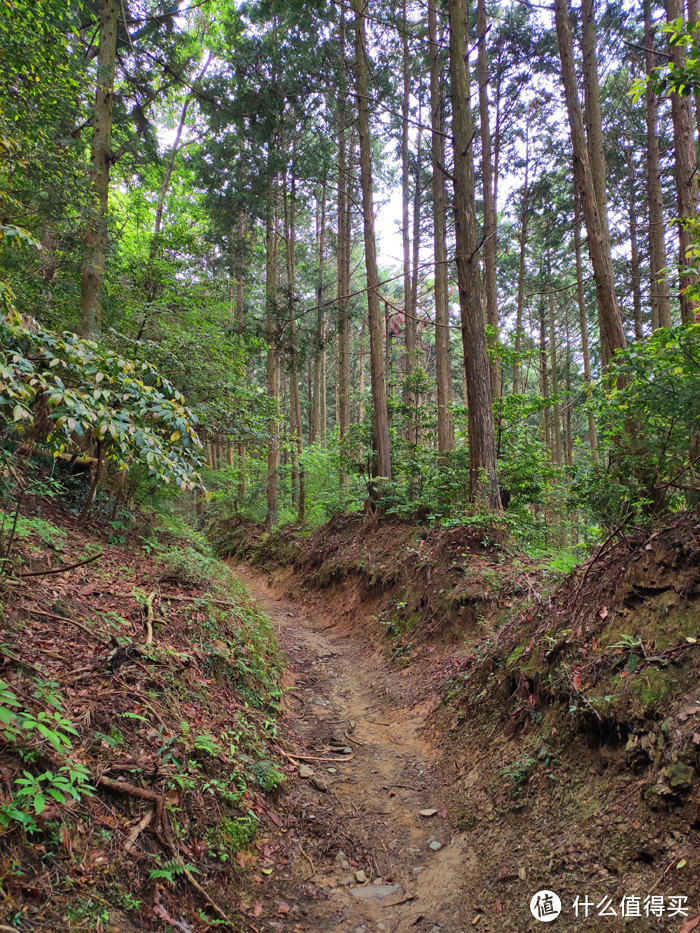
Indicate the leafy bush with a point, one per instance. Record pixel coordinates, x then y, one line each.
73 394
649 420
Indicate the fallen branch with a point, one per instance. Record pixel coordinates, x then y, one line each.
52 615
44 573
309 860
406 900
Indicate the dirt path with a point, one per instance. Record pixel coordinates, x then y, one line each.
368 819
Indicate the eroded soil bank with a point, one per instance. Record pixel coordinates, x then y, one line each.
531 790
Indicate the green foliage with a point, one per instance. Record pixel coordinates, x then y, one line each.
70 393
650 424
670 78
239 832
170 870
27 731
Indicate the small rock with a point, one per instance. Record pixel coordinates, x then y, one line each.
340 856
522 874
431 811
319 784
435 845
378 881
345 864
418 869
347 881
679 776
305 771
361 929
360 876
375 892
347 750
332 770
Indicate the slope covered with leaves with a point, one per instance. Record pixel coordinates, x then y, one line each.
139 690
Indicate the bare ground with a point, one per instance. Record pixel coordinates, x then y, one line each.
369 817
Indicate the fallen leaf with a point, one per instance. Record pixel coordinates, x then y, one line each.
431 811
576 681
604 612
689 924
498 905
258 909
696 738
683 862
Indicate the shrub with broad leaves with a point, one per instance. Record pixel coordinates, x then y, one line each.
73 395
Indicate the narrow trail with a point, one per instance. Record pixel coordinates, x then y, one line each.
369 816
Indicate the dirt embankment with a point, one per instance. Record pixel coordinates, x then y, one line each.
139 690
417 584
569 722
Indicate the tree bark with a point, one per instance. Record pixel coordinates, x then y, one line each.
92 289
343 257
483 476
490 229
612 331
660 300
381 420
409 310
686 175
583 320
443 362
272 359
521 269
634 253
240 321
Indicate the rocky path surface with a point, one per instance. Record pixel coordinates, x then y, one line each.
371 845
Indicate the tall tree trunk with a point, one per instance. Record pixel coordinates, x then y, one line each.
556 405
612 330
594 137
241 323
583 319
443 362
409 311
521 269
272 360
490 231
298 478
381 419
544 381
92 289
483 477
686 175
660 301
320 318
693 17
634 253
343 256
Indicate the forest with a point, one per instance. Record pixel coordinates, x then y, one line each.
390 302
